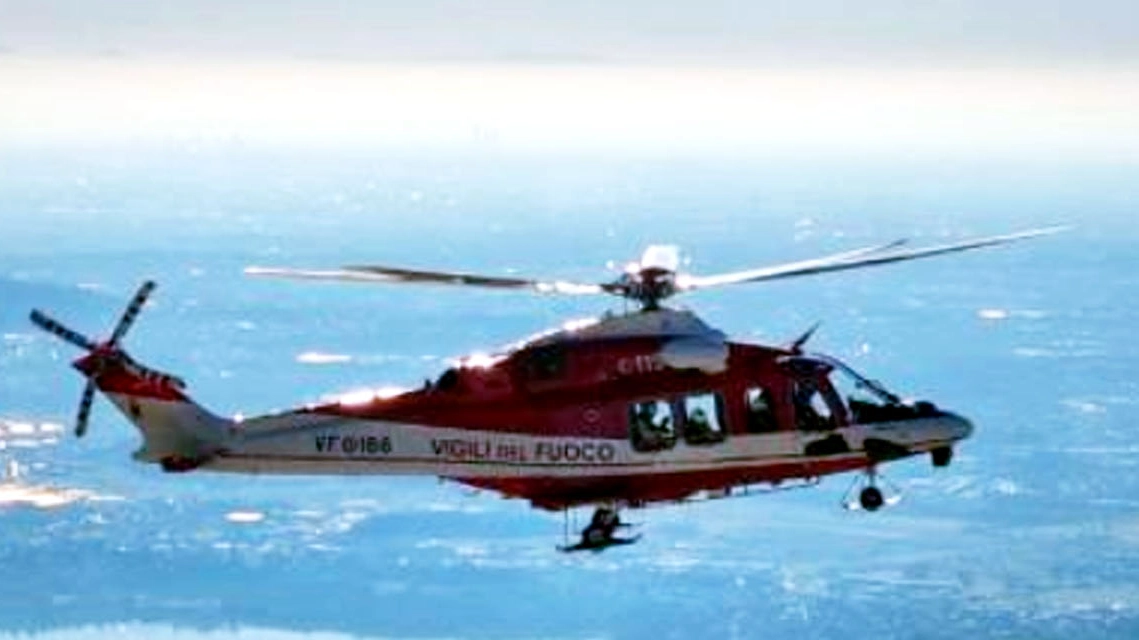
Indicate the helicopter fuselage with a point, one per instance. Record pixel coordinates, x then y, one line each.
630 410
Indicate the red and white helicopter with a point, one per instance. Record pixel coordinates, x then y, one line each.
622 411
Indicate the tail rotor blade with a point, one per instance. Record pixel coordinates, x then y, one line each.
52 326
132 311
84 409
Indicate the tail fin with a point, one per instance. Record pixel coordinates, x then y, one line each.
177 432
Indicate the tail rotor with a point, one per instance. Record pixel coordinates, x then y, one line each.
100 354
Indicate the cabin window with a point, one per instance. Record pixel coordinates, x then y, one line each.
651 425
760 410
448 380
812 413
703 418
546 363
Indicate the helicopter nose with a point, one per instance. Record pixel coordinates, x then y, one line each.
959 426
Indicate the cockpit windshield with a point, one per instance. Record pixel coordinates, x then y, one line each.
853 384
868 400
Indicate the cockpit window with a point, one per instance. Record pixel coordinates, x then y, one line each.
546 363
864 405
868 400
812 413
850 390
852 384
651 426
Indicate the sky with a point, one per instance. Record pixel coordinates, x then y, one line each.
733 32
962 76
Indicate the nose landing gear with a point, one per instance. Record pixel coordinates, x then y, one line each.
871 497
941 456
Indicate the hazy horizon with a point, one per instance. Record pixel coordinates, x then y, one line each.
714 77
568 107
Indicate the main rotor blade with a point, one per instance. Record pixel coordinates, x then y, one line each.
853 260
131 312
52 326
393 275
84 409
687 282
858 253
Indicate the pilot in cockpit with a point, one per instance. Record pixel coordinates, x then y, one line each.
811 410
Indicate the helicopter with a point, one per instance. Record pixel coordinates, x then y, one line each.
646 407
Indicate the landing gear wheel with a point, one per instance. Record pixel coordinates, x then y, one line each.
941 456
871 498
